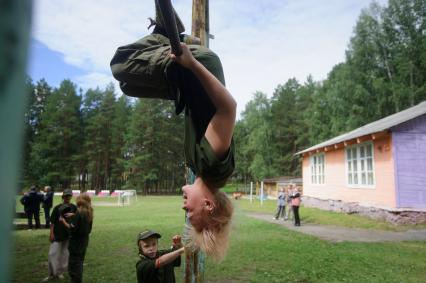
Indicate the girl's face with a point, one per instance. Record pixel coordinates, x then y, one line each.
197 201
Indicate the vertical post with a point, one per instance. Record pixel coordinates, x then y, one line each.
15 22
261 193
200 21
194 261
251 192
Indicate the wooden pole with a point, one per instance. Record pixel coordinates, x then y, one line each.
200 21
194 260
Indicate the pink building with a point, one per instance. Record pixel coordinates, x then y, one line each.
378 169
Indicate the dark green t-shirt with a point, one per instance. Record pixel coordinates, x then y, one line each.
60 232
203 161
81 227
147 273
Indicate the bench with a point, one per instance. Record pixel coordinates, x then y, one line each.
20 215
19 225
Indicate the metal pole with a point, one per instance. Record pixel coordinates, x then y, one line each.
251 192
15 18
261 193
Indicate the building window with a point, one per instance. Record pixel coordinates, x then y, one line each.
360 165
317 169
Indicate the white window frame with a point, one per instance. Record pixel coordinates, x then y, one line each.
317 172
361 161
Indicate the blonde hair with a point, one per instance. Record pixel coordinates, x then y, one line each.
84 205
213 239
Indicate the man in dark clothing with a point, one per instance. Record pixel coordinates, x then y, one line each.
31 202
47 204
59 238
157 266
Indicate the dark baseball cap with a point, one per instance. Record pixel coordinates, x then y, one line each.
67 192
147 234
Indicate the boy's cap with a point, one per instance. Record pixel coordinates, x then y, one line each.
146 234
67 192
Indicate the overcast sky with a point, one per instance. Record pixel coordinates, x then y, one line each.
261 43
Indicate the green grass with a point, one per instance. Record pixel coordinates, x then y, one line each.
317 216
230 188
259 251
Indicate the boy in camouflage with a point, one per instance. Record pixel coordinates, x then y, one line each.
157 266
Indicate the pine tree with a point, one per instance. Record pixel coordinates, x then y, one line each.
58 141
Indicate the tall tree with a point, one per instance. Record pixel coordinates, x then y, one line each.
38 95
257 117
156 146
283 127
59 138
99 115
119 150
404 26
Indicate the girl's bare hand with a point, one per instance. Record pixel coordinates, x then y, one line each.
186 59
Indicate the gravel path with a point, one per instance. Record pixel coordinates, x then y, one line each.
342 234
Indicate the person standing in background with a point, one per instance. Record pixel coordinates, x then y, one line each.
295 204
289 198
59 238
31 202
80 226
281 201
47 204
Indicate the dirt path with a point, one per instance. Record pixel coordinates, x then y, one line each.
342 234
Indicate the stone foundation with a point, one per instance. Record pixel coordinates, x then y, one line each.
395 216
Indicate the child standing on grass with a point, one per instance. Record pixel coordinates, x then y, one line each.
289 198
281 201
59 238
157 266
80 227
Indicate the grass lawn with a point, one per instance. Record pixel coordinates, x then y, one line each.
317 216
259 251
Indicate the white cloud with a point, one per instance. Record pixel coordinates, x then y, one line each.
95 80
261 43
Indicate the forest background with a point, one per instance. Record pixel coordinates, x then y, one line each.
97 140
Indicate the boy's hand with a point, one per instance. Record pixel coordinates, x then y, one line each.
177 241
185 59
69 214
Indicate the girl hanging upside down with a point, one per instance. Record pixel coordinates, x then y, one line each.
195 81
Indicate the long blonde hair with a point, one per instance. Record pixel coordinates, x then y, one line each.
213 239
84 205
